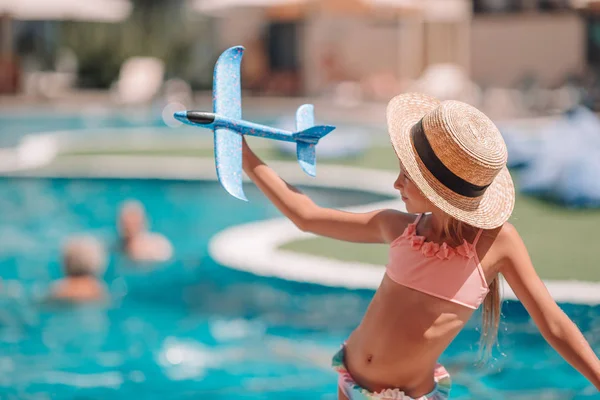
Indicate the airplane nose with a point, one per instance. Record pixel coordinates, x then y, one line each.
200 117
181 116
195 117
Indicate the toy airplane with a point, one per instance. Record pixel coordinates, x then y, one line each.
228 126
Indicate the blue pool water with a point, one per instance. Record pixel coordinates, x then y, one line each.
13 126
194 329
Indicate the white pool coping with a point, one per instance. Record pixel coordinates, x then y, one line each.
255 247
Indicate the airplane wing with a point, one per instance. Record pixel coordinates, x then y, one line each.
227 101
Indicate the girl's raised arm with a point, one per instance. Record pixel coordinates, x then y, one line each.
380 226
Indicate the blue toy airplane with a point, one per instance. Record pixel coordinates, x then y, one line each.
228 126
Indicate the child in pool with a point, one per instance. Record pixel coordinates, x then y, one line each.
443 263
136 241
84 261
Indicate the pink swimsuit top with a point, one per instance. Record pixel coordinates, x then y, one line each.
452 274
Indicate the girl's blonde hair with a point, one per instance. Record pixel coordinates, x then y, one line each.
454 230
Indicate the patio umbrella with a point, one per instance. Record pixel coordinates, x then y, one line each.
66 10
438 9
216 6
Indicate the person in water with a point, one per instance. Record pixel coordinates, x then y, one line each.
84 261
445 253
137 242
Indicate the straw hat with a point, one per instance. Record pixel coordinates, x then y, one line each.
455 155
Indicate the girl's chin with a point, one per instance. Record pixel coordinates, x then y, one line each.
411 208
407 205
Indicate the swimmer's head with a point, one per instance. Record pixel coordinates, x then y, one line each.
83 255
132 219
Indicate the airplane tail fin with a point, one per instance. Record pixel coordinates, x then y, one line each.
307 136
305 117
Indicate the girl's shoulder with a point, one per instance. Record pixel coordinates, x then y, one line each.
506 236
396 223
499 245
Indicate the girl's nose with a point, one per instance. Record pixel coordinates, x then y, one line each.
399 183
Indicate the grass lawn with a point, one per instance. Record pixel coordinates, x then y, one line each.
561 242
376 157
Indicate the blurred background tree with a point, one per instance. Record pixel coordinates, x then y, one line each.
164 29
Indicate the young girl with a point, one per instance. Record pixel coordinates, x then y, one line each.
443 263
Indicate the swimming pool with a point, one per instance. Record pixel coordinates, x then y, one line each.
13 126
194 329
